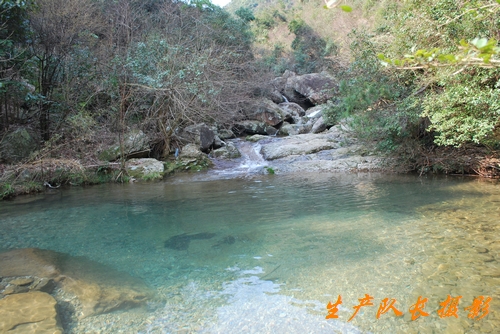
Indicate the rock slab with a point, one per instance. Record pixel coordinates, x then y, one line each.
33 312
99 288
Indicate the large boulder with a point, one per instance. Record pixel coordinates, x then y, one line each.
146 169
297 145
293 109
253 127
33 312
268 112
315 88
199 134
17 145
98 288
191 151
191 158
135 143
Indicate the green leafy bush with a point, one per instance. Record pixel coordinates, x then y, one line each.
465 108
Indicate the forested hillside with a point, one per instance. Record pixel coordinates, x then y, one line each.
418 79
74 72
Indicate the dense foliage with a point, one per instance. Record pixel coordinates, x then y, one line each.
80 72
414 75
426 75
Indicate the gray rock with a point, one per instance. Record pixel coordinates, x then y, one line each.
319 125
265 111
218 143
199 134
207 138
225 134
147 168
256 138
296 145
254 127
276 96
191 151
294 129
134 142
227 152
293 108
314 112
316 87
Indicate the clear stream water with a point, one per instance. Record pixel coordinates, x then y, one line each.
281 248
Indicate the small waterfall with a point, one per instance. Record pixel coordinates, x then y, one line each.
253 161
250 162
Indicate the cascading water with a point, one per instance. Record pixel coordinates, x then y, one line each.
250 162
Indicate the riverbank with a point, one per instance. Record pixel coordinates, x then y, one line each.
334 150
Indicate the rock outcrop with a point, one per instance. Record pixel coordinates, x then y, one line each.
334 150
306 90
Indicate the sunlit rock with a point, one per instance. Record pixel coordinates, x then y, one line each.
297 145
33 312
98 288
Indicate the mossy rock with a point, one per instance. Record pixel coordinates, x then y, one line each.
145 169
17 145
187 165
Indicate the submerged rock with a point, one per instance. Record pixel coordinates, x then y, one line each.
182 241
98 288
33 312
226 241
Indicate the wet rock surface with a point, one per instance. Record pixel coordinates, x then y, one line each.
98 288
333 151
33 312
182 241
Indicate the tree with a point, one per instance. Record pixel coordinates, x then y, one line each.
58 27
194 66
13 32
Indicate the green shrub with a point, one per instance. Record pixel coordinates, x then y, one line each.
465 108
